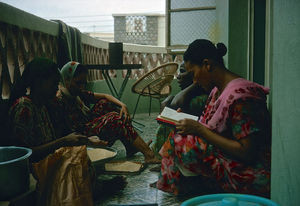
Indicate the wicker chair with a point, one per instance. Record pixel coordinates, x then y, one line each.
156 83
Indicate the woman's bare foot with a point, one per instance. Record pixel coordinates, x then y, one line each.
150 157
144 148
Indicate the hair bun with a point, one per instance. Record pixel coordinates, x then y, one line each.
221 49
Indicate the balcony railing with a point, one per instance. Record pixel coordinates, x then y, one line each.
24 36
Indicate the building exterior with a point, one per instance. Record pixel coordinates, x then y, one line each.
101 36
145 29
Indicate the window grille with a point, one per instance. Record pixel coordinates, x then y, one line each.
136 25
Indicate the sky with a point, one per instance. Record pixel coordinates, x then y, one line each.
87 15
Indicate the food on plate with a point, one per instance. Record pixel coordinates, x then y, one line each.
96 154
126 166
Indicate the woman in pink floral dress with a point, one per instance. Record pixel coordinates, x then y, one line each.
229 147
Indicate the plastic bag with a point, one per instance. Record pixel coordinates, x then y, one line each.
63 178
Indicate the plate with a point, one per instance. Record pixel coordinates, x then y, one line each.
100 155
124 167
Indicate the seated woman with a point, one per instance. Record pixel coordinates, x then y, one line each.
191 99
29 117
55 153
229 146
105 119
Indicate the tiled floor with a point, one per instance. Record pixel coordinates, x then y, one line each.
138 190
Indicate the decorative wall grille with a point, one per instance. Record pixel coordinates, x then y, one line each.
136 25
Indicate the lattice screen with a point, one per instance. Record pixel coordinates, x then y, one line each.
17 47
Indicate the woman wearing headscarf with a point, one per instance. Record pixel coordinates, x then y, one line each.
29 117
108 118
229 147
55 159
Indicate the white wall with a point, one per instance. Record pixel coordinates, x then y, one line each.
161 39
222 8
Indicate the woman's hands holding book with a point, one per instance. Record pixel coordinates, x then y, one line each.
189 126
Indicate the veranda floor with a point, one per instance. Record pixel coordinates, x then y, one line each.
138 191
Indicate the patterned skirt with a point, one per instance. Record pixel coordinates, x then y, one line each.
192 155
108 125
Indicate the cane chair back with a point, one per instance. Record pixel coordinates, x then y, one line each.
156 83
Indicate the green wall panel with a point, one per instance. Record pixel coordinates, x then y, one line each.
285 86
238 37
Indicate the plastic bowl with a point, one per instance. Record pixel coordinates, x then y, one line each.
14 171
229 200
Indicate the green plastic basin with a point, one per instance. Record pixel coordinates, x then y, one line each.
14 171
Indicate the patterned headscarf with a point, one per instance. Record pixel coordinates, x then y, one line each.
67 72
